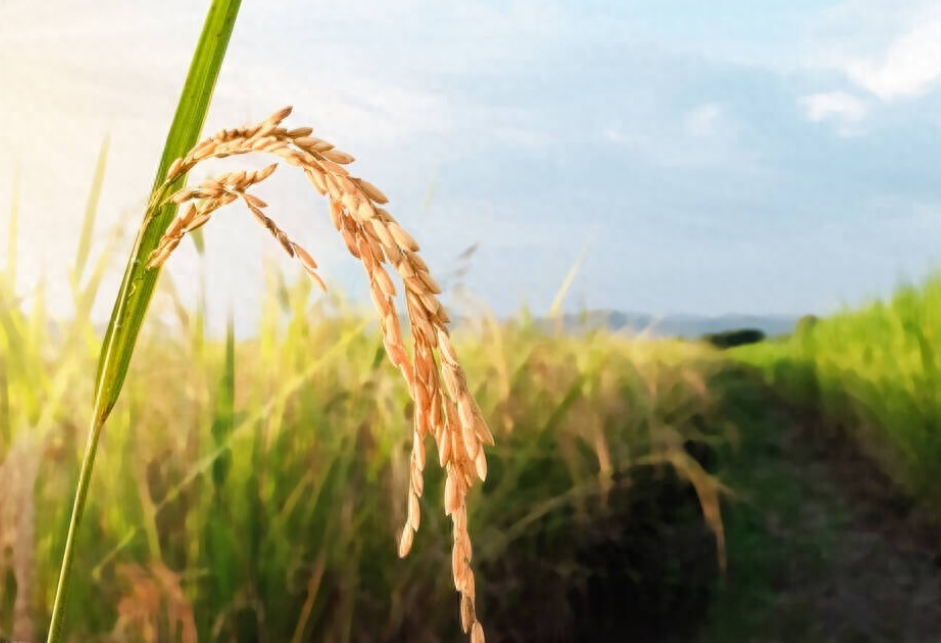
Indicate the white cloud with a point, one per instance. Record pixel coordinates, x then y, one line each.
910 66
890 49
706 136
839 106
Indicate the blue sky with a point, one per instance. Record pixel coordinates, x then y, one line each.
711 157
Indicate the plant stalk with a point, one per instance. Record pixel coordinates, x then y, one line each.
78 508
138 284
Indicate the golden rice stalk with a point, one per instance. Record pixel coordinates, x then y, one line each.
444 406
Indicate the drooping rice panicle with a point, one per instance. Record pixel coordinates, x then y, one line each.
444 407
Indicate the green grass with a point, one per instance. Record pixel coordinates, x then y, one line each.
865 377
254 489
269 476
872 375
770 529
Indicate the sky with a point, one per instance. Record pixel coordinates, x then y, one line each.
703 157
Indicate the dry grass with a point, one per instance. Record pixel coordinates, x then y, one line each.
155 609
444 406
18 475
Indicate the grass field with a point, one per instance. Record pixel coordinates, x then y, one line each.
253 490
256 489
871 374
258 486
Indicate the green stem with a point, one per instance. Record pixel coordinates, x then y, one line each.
78 508
138 284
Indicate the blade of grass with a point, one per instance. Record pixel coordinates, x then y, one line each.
224 418
138 284
555 310
213 536
17 354
84 299
91 209
253 419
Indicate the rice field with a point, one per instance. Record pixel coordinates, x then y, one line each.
253 490
582 486
871 374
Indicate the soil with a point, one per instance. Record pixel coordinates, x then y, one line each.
879 577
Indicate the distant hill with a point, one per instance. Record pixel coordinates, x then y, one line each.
687 326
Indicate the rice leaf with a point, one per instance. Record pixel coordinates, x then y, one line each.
555 310
91 210
224 416
137 287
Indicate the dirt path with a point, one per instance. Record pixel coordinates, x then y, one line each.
866 565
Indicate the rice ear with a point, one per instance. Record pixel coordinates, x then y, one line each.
444 404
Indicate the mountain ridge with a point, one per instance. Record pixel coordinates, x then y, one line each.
684 325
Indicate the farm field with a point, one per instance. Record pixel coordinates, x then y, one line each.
196 451
254 489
